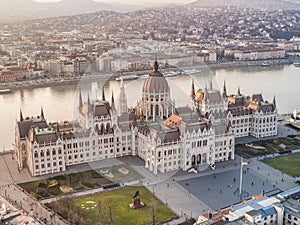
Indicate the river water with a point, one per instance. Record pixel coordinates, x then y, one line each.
59 102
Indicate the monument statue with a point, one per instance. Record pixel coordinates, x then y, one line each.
136 201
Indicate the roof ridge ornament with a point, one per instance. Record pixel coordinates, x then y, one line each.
155 66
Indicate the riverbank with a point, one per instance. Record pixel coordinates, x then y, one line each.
92 78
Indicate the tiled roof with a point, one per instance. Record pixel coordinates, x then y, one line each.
24 127
46 138
168 137
101 110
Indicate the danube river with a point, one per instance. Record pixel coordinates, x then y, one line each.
59 102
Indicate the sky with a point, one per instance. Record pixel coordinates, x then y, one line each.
133 2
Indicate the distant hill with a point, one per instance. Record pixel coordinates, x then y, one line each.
26 9
262 4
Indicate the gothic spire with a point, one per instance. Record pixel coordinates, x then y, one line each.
103 94
210 85
113 107
80 99
122 100
224 92
42 113
21 115
239 90
89 102
274 101
192 93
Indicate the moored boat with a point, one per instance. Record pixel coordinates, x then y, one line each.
128 77
296 64
265 64
5 91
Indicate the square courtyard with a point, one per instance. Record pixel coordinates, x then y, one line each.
221 190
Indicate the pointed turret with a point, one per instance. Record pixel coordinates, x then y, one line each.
42 113
103 94
122 100
224 92
274 101
21 115
210 85
239 91
80 100
88 101
113 107
89 104
192 93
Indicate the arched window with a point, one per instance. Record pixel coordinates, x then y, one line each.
151 110
156 110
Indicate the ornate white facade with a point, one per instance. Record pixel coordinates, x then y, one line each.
252 115
165 137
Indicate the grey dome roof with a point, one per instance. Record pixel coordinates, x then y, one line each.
156 82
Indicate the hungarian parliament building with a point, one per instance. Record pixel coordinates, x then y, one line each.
165 137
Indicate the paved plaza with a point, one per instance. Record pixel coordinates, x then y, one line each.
222 189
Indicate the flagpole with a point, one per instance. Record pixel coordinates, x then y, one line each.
241 177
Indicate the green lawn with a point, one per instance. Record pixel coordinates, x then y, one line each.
76 182
114 203
288 164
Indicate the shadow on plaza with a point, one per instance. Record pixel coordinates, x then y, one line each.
221 190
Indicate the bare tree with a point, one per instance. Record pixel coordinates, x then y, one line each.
109 208
153 211
99 212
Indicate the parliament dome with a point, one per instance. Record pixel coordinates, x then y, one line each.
156 82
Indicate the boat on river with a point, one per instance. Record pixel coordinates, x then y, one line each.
128 77
265 64
296 64
5 91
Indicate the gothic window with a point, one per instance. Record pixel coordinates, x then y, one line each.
151 110
156 110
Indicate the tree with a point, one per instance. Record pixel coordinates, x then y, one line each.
100 212
109 212
153 211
